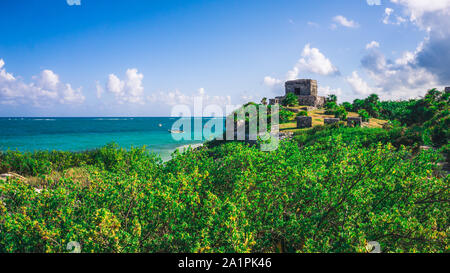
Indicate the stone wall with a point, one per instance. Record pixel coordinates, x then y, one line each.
305 87
304 122
331 120
311 101
354 121
277 100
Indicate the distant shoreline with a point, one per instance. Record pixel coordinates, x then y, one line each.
83 134
183 148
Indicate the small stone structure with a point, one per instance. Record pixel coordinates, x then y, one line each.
354 121
305 90
304 87
308 108
331 120
311 101
304 122
447 89
277 100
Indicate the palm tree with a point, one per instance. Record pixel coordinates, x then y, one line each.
264 101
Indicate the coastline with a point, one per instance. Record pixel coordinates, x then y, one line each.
85 134
183 148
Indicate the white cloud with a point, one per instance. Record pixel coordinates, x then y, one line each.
399 78
134 85
5 76
414 72
345 22
373 2
312 61
327 90
373 44
417 9
48 80
276 85
43 90
388 12
115 85
70 95
387 15
74 2
432 16
271 82
129 90
313 24
176 98
100 89
358 85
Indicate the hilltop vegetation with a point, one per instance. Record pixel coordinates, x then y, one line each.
423 121
329 189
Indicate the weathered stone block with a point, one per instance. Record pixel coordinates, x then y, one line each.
294 110
304 122
303 87
354 121
331 120
311 101
277 100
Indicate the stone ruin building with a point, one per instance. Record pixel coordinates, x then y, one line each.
305 90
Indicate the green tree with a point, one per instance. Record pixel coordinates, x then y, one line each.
330 107
348 106
264 101
331 98
372 105
290 100
341 113
358 105
302 114
364 115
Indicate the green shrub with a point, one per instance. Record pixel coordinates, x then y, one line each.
364 115
286 116
340 113
348 106
329 196
302 114
290 100
330 108
331 98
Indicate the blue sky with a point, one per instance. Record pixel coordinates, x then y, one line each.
140 58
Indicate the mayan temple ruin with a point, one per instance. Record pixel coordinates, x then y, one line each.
305 90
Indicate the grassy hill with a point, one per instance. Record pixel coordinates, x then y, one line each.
319 115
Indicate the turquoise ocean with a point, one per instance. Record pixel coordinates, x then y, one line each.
80 134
